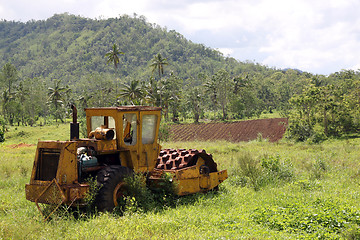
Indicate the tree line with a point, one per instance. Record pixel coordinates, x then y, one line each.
317 106
47 65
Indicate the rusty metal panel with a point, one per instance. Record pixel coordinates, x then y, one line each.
71 192
51 194
53 148
194 171
76 192
33 191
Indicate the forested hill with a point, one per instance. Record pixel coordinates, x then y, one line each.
48 65
68 47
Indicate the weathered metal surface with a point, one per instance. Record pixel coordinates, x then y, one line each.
193 170
125 108
50 194
56 178
102 134
174 159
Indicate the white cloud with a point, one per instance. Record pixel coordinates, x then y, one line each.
226 51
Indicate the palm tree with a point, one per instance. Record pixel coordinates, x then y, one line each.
158 63
133 91
56 97
113 56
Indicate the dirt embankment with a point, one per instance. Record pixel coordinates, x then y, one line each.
271 129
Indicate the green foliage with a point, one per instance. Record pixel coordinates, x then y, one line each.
259 173
318 169
158 63
277 169
164 191
319 219
112 56
326 109
91 194
164 132
250 171
2 129
140 197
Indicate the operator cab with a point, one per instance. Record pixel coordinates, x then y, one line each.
131 131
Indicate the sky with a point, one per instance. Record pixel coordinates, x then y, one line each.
320 37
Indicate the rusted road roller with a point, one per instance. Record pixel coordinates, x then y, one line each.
121 140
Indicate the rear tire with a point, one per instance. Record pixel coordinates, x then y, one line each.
112 187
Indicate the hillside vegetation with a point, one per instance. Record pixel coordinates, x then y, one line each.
49 64
70 47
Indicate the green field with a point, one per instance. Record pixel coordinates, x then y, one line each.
274 191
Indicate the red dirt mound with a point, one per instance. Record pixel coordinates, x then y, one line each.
21 145
271 129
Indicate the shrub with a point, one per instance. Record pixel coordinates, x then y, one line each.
140 197
2 129
318 169
164 132
317 134
277 169
298 130
91 194
164 191
321 218
259 173
250 171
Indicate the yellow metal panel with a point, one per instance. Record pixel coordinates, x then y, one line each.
67 169
185 173
106 145
187 186
149 152
125 158
205 182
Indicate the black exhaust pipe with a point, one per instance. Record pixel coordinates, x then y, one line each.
74 125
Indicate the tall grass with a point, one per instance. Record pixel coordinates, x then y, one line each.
274 191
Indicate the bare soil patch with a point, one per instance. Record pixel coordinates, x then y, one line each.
21 145
272 129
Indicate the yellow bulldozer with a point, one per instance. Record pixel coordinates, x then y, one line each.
121 140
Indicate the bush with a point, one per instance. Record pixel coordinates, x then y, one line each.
298 130
2 136
317 134
277 169
250 171
140 197
164 132
318 169
259 173
2 130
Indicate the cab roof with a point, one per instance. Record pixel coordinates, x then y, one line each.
126 108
